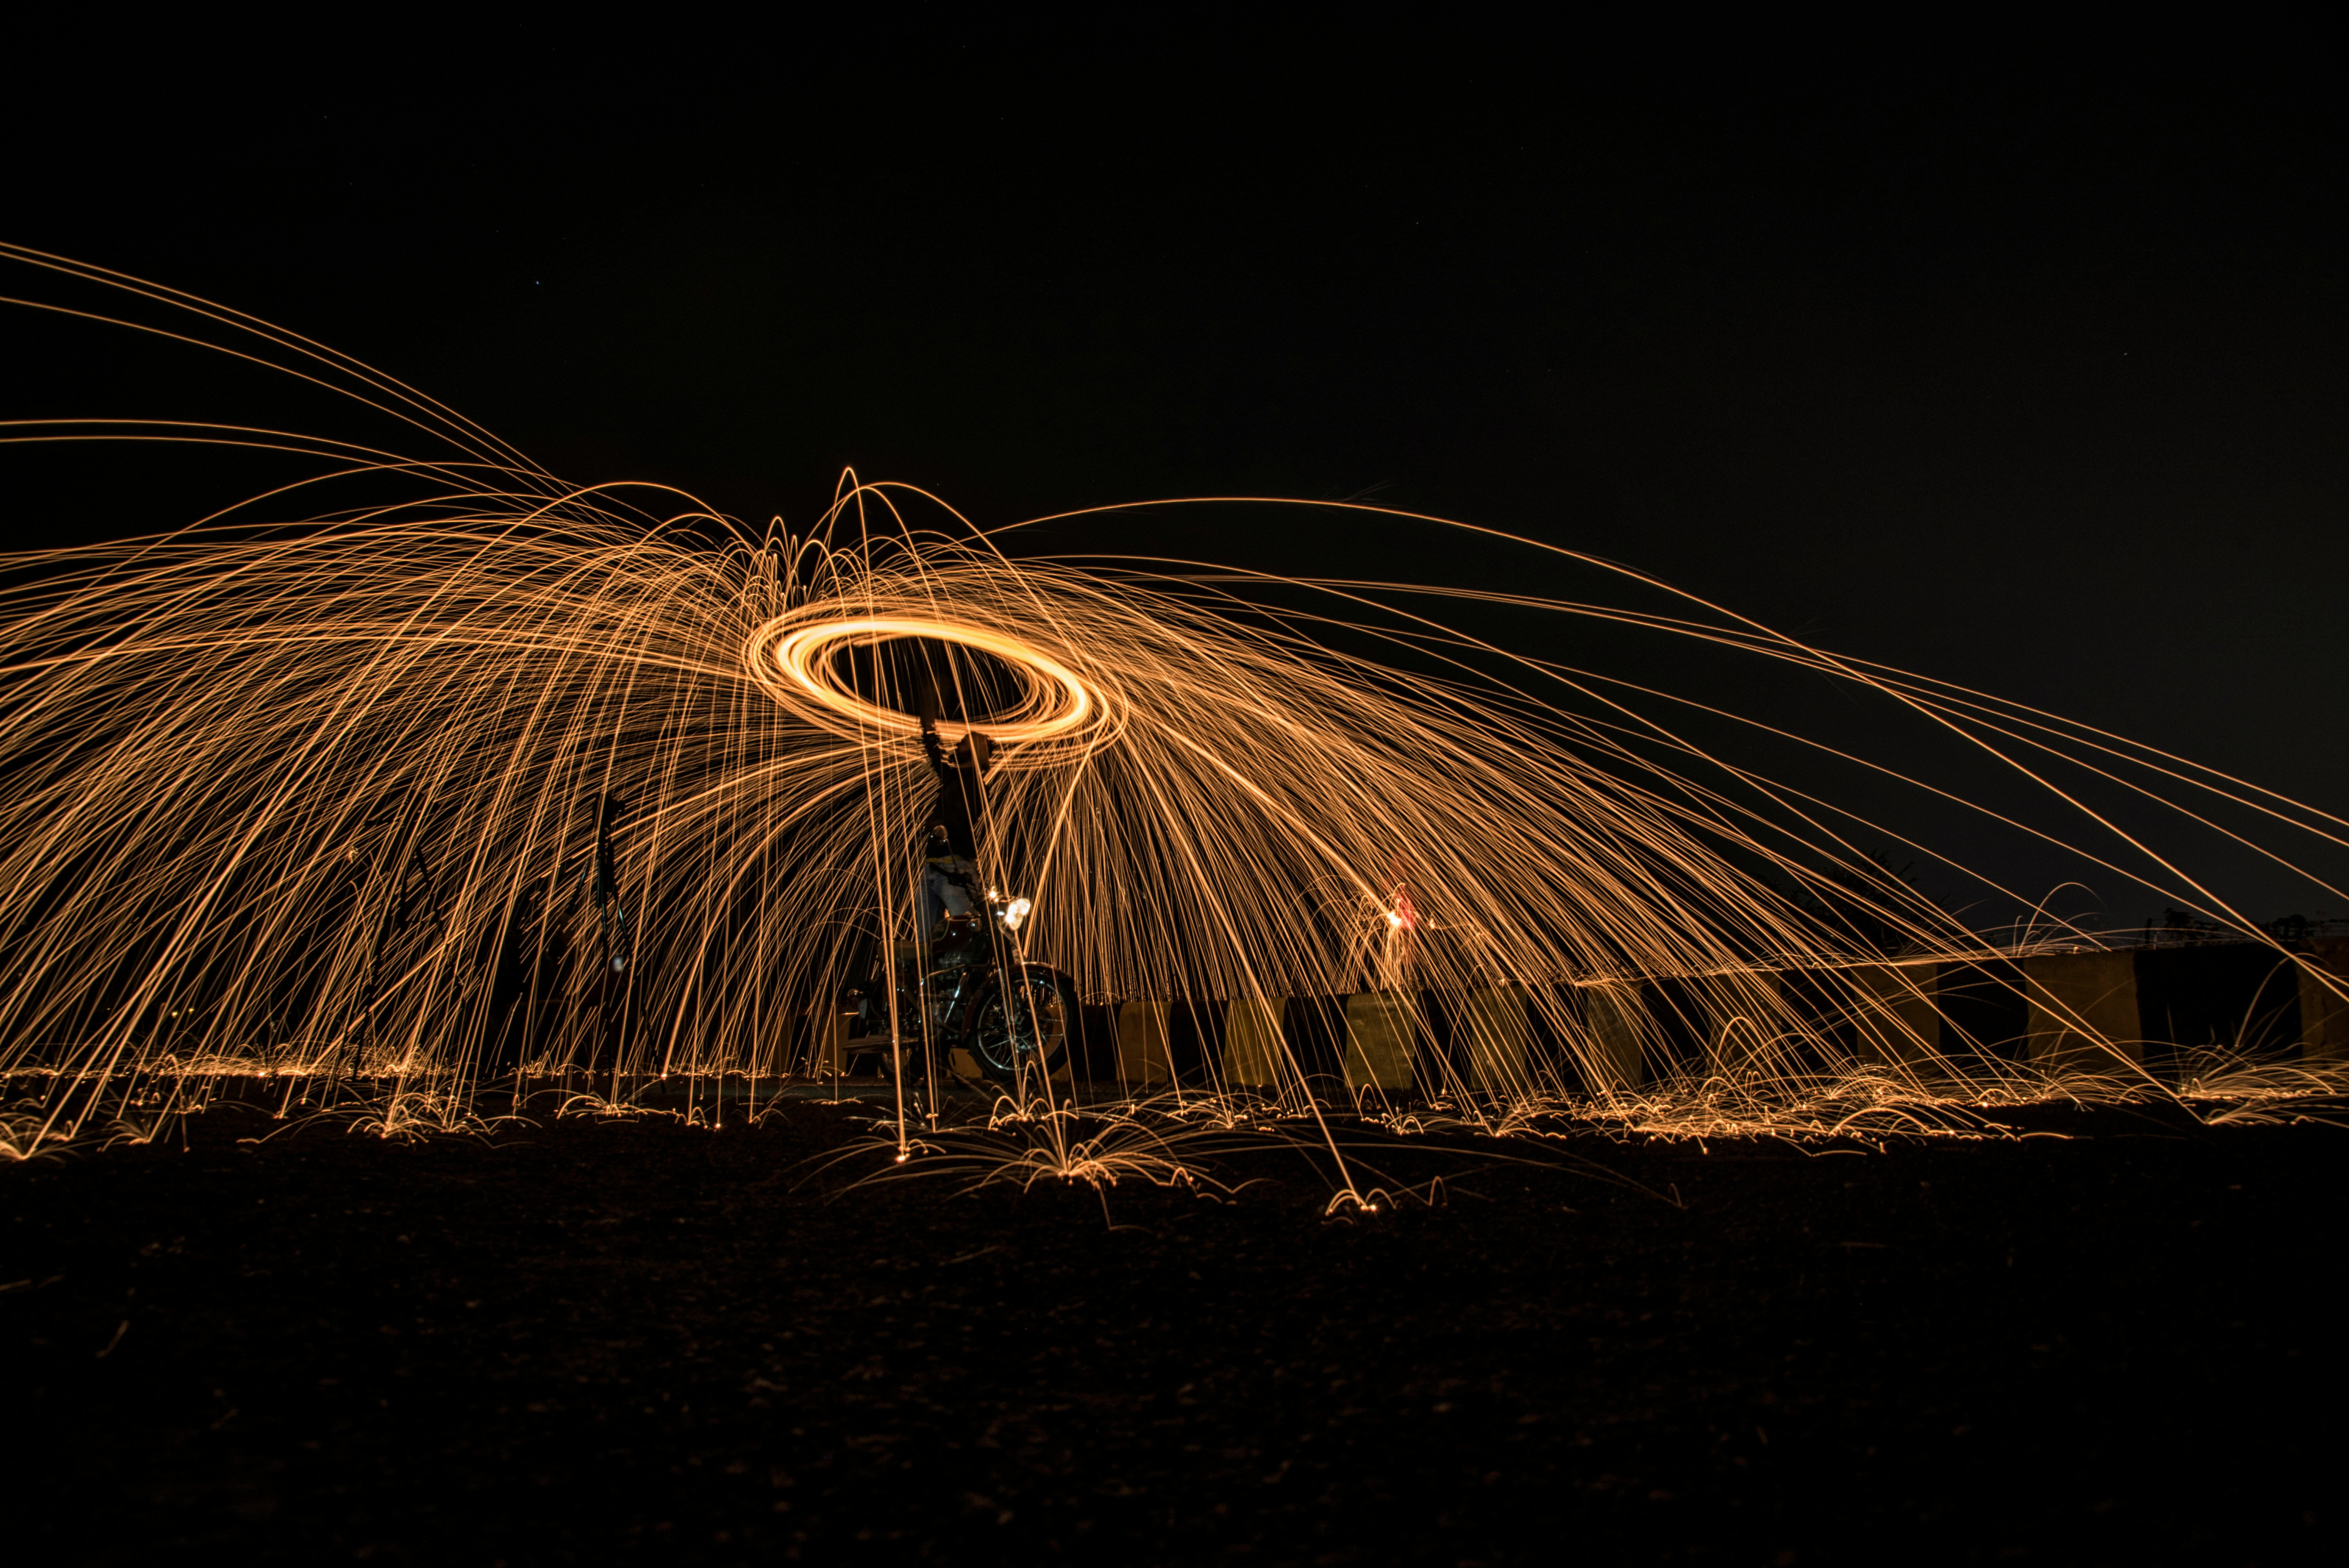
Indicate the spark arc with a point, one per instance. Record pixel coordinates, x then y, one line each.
459 774
796 659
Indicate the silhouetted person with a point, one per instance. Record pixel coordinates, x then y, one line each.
952 895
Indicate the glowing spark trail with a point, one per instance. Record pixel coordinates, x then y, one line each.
460 771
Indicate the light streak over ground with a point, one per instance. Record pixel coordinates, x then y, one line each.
311 791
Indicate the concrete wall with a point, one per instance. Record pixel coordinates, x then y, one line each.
2323 1014
1495 1040
1382 1036
828 1042
1893 1016
1618 1022
2084 1010
1743 1017
2079 1011
1252 1050
1143 1053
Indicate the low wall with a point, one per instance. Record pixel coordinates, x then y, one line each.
2059 1012
2076 1011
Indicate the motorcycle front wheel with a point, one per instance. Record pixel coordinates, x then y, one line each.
1022 1026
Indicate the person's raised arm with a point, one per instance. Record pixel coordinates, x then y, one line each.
925 705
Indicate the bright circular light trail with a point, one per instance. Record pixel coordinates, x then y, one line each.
796 657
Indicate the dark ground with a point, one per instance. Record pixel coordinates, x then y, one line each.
597 1340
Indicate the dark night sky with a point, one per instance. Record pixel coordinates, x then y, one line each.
2033 382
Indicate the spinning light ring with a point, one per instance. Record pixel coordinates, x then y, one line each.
796 659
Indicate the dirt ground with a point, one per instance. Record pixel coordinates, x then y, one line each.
594 1340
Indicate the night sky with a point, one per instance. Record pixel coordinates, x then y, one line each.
2029 381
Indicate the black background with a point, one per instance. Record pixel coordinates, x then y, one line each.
2015 369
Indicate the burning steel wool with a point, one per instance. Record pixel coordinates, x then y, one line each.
472 773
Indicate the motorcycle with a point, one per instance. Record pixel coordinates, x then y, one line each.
967 990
